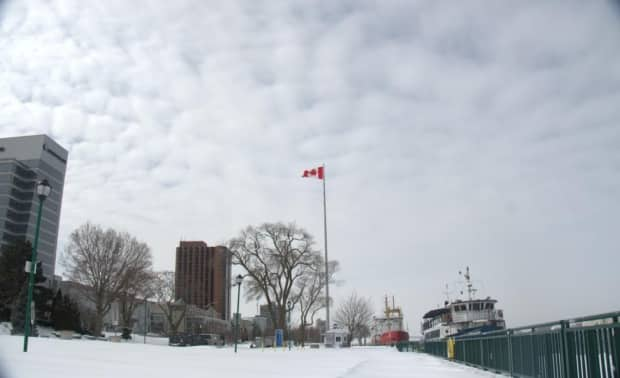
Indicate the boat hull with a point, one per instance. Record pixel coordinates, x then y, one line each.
393 337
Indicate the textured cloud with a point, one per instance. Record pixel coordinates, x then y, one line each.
479 134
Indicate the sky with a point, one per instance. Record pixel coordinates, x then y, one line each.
481 134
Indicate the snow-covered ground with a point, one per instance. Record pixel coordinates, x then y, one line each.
5 328
89 358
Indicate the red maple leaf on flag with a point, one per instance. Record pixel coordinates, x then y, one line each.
314 172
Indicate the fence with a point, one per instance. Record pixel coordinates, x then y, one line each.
585 347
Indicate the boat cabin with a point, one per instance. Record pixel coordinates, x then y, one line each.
474 310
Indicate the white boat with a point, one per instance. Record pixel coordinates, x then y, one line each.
460 317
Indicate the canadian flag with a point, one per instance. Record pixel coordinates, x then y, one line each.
315 172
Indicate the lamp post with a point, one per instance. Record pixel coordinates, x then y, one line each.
289 307
146 304
43 189
238 281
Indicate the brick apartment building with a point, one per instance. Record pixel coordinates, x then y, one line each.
203 276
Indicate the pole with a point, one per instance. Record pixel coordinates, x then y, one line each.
33 265
237 316
326 259
145 307
289 329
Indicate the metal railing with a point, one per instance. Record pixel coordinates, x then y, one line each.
587 347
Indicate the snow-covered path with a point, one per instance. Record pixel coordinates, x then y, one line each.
81 358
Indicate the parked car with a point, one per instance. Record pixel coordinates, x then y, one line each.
195 339
180 340
207 339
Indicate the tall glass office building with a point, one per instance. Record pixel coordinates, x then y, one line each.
24 161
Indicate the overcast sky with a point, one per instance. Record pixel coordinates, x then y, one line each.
454 133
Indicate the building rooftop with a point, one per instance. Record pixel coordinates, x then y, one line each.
193 243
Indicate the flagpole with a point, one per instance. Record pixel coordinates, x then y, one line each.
325 239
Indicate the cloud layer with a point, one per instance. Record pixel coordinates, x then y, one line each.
473 134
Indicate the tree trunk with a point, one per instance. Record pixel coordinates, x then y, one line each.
98 323
172 330
282 318
127 307
100 311
303 334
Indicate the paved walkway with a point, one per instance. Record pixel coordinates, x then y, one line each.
391 364
54 358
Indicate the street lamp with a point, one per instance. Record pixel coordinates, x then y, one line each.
238 281
43 190
289 307
146 307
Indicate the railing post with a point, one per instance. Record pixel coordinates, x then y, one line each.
565 354
532 359
510 356
616 347
481 352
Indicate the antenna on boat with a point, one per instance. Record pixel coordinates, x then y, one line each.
447 293
471 292
387 307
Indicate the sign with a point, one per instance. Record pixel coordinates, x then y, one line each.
279 337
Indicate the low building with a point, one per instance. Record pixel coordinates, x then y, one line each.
196 320
336 338
265 313
260 325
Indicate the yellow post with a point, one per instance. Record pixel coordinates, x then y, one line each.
450 344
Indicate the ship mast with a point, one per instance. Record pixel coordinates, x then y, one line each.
389 311
387 307
470 287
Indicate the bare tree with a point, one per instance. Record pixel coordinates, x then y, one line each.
138 282
310 296
275 256
363 333
133 294
164 291
104 262
354 313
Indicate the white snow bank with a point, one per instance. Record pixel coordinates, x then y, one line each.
5 328
55 358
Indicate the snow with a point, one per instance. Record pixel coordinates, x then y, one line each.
5 328
55 358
